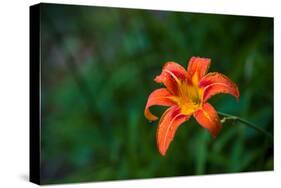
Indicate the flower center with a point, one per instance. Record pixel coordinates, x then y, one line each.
189 95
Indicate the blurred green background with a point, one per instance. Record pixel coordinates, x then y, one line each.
98 66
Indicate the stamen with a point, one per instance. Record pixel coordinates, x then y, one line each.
173 75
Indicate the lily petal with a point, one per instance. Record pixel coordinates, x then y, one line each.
160 97
198 65
171 75
215 83
208 118
170 121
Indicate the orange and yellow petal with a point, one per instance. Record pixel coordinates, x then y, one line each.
170 121
172 73
215 83
161 97
199 66
208 118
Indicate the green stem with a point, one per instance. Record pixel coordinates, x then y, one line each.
245 122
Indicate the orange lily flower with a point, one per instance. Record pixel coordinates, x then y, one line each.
187 92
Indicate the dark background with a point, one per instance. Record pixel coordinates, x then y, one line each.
98 66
